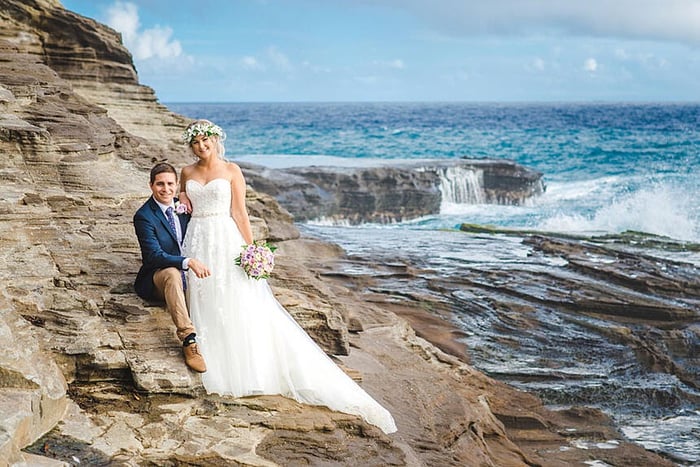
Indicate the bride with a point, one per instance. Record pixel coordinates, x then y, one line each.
251 344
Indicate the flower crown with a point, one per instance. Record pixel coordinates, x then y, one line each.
206 129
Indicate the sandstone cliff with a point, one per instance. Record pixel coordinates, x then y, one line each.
91 374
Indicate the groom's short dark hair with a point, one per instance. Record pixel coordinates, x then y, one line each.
161 167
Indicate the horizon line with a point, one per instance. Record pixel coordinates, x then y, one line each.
540 102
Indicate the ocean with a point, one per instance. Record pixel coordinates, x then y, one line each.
607 168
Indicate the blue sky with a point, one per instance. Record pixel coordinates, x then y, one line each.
410 50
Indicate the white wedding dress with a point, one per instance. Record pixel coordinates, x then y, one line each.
250 343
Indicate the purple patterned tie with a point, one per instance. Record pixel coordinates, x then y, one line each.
171 221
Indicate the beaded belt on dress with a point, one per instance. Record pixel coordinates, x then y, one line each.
209 214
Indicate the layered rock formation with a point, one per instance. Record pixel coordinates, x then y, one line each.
393 192
91 374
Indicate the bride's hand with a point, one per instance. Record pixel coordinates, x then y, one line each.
185 201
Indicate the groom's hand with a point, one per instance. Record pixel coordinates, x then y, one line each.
200 269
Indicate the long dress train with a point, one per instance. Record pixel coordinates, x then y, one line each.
251 344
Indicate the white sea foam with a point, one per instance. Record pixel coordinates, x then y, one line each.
656 434
570 191
658 210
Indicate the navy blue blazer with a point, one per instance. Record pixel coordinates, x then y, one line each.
159 248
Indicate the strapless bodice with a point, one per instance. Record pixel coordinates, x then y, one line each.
210 199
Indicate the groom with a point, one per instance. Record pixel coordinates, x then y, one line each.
160 232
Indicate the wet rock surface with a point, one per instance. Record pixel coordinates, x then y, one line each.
595 325
631 288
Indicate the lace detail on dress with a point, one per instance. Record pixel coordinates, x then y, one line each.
210 199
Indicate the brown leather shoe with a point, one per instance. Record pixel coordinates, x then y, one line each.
193 358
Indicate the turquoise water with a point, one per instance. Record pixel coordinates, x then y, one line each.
607 167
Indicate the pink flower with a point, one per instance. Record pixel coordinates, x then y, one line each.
180 208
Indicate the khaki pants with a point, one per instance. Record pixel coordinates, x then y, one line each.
168 284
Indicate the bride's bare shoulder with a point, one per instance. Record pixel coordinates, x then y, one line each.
187 170
233 169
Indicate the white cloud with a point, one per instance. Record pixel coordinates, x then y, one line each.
278 59
124 17
590 65
537 64
155 42
251 64
272 59
671 20
646 59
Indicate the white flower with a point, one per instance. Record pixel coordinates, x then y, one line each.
206 129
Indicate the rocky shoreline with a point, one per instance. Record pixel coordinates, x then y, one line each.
93 375
607 321
393 192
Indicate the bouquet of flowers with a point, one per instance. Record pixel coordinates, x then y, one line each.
257 260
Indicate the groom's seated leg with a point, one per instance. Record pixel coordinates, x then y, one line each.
169 286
